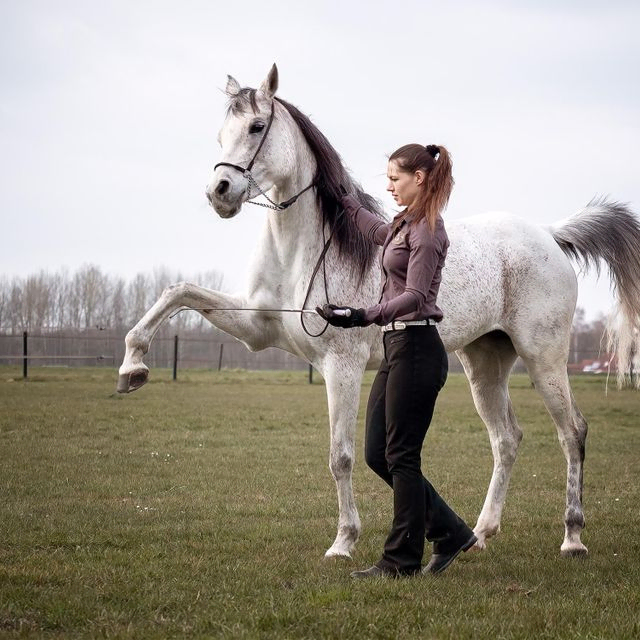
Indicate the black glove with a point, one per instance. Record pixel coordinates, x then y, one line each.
345 317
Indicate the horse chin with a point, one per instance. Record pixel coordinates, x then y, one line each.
227 211
228 214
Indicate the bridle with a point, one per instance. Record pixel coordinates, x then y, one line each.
251 182
281 207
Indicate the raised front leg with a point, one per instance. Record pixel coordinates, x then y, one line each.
249 327
343 383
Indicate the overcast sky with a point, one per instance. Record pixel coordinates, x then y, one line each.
109 113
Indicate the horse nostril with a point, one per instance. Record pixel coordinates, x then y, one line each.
223 187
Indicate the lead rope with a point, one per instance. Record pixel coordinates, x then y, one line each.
321 260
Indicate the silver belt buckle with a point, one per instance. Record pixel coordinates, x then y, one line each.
398 325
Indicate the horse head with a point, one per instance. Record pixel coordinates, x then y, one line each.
269 144
258 146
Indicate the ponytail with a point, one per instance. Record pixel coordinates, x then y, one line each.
439 186
435 161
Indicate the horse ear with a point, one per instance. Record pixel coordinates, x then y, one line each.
269 85
233 87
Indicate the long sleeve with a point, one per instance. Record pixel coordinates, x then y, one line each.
397 307
414 287
370 225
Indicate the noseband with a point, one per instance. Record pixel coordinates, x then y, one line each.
251 180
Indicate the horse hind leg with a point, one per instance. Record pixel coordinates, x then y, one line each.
487 362
552 381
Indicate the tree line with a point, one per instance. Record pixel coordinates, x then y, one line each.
89 298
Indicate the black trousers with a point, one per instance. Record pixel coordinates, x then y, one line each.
399 412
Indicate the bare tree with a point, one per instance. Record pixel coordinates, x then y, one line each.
59 284
90 298
15 305
91 290
35 299
118 304
4 302
138 295
74 303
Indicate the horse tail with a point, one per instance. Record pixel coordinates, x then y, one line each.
610 231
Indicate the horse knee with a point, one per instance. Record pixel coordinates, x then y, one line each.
136 340
341 464
177 289
507 446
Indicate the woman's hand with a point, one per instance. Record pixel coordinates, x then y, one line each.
344 317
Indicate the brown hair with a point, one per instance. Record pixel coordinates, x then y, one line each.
435 161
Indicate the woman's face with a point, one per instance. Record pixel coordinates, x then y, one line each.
403 186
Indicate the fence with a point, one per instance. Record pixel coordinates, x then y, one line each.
107 349
212 350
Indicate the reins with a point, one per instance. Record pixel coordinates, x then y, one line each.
321 261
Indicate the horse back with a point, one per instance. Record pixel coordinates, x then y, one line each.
502 273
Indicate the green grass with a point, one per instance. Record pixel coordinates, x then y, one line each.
203 508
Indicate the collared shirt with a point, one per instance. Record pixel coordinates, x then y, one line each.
412 260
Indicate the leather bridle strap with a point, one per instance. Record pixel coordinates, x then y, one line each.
255 155
264 137
250 179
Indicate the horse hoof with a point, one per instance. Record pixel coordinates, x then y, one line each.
128 382
574 552
481 542
337 553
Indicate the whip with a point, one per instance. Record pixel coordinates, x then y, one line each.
338 312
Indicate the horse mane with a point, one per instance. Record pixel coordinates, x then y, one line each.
330 175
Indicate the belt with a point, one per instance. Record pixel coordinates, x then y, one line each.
399 325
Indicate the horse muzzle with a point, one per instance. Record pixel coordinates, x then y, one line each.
226 197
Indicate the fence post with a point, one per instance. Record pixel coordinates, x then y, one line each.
25 352
310 374
175 357
220 356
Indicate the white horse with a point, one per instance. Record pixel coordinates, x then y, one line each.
508 290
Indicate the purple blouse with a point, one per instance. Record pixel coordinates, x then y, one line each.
412 261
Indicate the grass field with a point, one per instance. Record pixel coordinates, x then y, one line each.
202 508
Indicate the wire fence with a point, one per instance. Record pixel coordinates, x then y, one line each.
107 350
215 350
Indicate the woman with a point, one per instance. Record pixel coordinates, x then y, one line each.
415 366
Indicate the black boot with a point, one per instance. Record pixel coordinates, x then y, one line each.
440 561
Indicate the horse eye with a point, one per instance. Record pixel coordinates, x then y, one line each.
256 127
